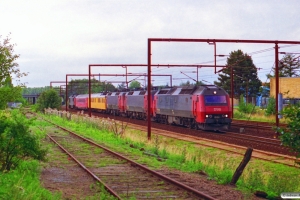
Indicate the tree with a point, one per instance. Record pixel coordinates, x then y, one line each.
81 86
16 141
49 99
134 85
288 67
245 77
188 83
121 86
8 66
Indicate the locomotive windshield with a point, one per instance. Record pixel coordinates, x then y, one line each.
213 99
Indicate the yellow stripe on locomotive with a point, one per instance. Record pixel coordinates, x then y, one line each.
98 102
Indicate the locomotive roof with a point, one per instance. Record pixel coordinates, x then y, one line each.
82 96
97 95
187 90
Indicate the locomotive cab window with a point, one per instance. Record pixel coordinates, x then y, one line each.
213 100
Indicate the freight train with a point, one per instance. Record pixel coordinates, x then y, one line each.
205 107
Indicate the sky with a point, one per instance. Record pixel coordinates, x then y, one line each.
59 37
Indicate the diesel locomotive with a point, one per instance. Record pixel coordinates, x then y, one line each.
205 107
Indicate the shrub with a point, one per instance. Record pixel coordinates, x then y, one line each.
245 107
49 99
16 141
290 136
271 107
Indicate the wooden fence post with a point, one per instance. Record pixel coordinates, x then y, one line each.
238 172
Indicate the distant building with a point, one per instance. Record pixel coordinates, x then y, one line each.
288 86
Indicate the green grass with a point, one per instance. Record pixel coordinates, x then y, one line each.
257 115
23 183
186 156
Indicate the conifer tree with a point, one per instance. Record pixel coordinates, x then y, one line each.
245 79
288 67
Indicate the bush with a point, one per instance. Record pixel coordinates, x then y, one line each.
49 99
16 141
271 107
245 107
290 136
9 94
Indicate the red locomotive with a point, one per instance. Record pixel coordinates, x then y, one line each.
204 107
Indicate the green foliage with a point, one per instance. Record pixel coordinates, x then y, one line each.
80 86
36 90
9 94
188 83
244 75
16 141
245 107
271 108
288 67
290 136
8 66
23 183
49 99
134 85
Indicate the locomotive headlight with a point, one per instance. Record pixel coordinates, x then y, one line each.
206 116
224 115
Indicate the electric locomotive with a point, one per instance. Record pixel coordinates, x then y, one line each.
204 107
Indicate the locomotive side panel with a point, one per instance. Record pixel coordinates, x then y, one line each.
174 105
134 102
98 102
182 106
112 101
81 101
121 102
151 102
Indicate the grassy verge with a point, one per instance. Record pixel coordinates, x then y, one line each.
257 115
23 183
189 157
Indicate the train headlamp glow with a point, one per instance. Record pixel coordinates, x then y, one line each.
215 92
206 116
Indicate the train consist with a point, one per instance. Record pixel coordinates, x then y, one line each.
205 107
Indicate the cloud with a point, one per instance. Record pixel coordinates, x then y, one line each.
65 36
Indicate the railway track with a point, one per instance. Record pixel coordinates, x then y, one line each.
262 129
121 176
